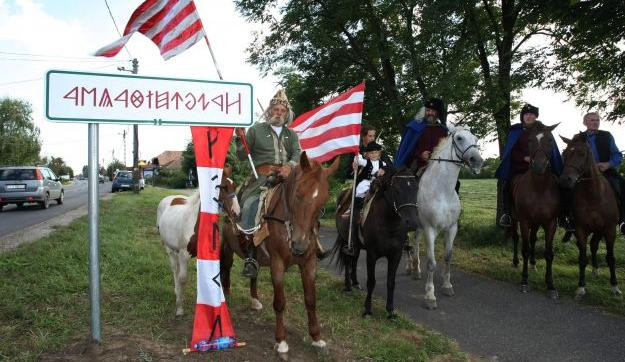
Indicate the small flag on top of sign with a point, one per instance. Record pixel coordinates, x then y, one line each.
173 25
333 128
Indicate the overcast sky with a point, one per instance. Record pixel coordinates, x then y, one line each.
73 28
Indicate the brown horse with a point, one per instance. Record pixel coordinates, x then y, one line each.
537 202
595 208
291 218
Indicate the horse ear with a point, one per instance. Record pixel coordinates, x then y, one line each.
566 140
333 167
227 171
303 162
551 128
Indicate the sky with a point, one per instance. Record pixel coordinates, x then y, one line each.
76 28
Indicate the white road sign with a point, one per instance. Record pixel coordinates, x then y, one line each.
115 98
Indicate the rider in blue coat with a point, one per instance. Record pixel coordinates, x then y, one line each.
516 160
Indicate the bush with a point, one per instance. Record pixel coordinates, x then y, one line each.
174 179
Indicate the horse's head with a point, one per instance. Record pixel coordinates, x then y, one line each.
400 188
228 195
307 192
540 142
465 144
578 160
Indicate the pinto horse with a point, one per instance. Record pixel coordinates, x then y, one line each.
595 208
392 213
177 223
537 202
291 217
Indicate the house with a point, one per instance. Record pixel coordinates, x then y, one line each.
171 160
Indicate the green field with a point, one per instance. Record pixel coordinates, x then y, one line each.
480 248
44 305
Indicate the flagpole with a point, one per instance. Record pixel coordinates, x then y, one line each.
350 249
242 137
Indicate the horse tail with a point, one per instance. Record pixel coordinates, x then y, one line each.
339 258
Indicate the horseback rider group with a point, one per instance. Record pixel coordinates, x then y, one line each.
275 151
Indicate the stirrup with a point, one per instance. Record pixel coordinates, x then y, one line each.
249 231
505 221
348 251
621 227
250 268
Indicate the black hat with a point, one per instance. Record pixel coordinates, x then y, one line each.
372 146
435 104
528 108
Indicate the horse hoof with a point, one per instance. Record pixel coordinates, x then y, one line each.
179 313
391 316
416 276
533 268
525 288
347 290
366 314
282 347
357 286
515 263
430 304
256 304
320 346
616 291
552 294
579 293
448 291
595 272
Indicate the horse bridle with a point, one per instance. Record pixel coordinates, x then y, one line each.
580 170
409 204
220 203
539 148
457 149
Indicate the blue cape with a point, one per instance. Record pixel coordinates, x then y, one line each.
503 171
410 136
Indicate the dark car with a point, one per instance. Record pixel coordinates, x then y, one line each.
29 184
122 181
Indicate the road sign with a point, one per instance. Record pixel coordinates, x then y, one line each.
116 98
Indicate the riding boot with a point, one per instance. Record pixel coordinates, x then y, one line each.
250 265
356 216
565 219
506 219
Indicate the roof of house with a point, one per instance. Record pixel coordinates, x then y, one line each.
170 159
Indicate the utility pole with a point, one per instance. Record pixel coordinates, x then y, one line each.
135 127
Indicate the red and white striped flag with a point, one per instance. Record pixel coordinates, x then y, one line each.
173 25
333 128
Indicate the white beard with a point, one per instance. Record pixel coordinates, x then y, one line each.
276 121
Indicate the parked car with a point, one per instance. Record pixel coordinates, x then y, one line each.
29 184
101 179
122 181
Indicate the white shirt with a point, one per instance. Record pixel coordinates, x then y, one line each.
363 186
277 129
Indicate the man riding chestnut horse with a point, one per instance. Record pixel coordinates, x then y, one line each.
275 151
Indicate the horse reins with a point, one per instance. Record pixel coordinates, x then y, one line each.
409 204
287 223
459 162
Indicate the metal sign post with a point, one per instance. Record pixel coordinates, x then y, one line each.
94 254
112 98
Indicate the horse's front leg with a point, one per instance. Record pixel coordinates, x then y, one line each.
430 298
550 231
594 246
173 263
371 259
450 235
609 258
307 272
255 303
533 238
515 241
225 265
582 261
279 301
393 264
354 268
525 250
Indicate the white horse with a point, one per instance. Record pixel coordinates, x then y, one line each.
176 219
439 205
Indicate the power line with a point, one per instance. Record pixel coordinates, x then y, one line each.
116 28
41 78
46 55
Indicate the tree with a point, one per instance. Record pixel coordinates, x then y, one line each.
85 171
20 137
58 166
240 168
406 51
589 39
114 165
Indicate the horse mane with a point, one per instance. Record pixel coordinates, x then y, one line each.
444 142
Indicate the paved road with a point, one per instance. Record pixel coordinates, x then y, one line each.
494 320
13 219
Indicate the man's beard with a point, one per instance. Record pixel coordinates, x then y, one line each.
431 119
277 121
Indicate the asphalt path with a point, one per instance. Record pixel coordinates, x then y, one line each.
13 219
493 320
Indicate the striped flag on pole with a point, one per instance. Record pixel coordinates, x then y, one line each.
212 321
173 25
333 128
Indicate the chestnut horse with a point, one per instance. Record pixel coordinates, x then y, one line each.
291 218
177 223
595 208
537 202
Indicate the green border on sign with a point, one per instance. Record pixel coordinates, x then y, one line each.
145 121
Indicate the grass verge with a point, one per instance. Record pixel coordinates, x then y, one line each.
45 305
